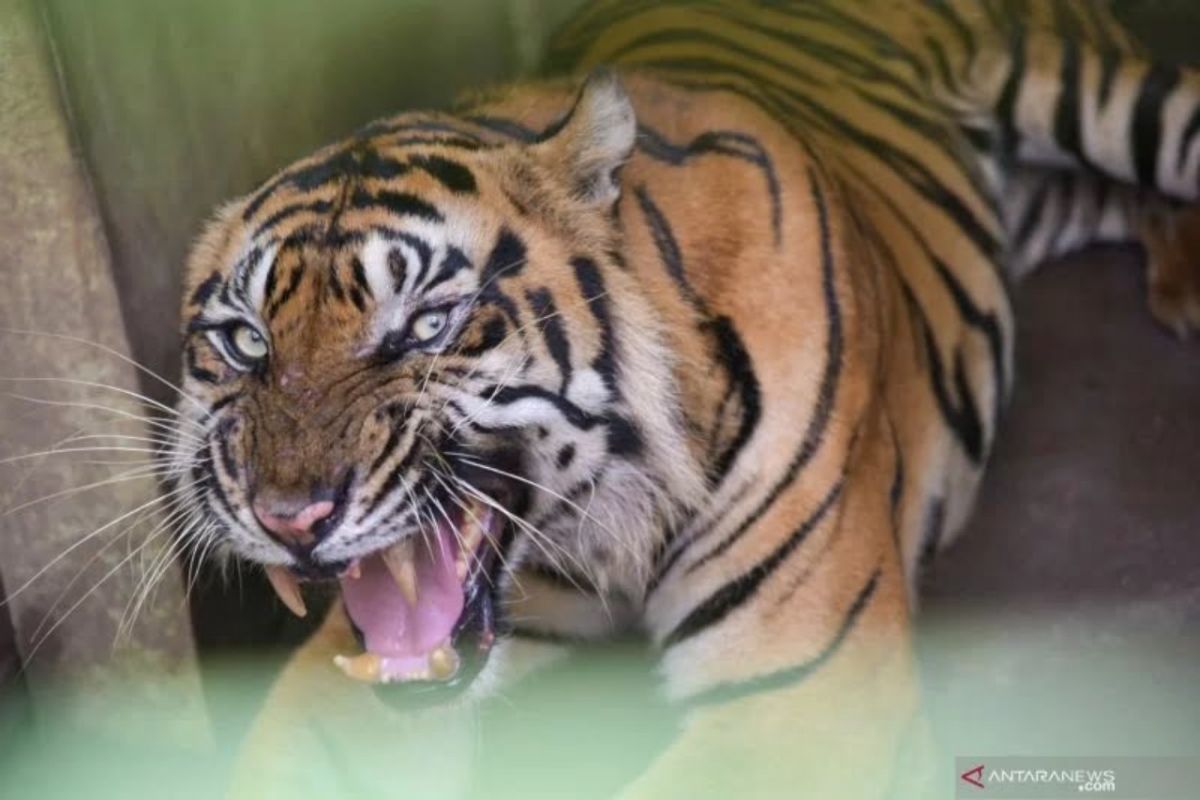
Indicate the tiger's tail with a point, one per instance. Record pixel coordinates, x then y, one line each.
1101 144
1063 103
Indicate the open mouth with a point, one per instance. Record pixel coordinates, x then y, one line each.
424 608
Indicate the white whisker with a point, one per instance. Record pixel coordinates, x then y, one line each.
165 496
104 348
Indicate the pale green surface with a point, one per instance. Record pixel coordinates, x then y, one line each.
1042 684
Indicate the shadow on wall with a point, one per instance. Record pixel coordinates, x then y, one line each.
180 106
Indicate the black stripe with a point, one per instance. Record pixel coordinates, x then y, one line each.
389 447
1066 24
224 401
798 106
507 258
507 395
955 22
964 420
931 537
963 417
623 438
668 249
407 125
454 176
1146 123
591 285
292 210
565 456
941 61
1032 213
305 178
399 203
736 592
194 369
424 253
1110 64
494 332
1006 105
730 351
289 290
334 284
393 479
1188 138
370 164
398 267
506 127
863 67
826 393
550 324
220 442
896 492
1066 115
205 290
1101 37
454 262
360 276
787 678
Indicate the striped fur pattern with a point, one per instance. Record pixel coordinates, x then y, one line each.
744 315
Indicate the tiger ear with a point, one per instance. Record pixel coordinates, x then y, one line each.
596 137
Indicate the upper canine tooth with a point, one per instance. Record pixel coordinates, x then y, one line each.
284 583
399 560
475 524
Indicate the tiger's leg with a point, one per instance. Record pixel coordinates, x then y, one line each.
795 667
1050 213
320 734
1171 237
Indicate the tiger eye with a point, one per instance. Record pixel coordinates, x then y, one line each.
428 325
248 343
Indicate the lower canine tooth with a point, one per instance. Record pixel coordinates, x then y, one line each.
399 561
366 667
443 662
284 583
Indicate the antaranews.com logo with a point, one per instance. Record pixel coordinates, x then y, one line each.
1051 778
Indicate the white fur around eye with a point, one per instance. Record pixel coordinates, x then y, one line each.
248 343
429 325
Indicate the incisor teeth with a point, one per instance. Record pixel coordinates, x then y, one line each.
399 561
366 667
284 583
443 663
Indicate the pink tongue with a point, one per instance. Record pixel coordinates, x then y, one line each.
404 634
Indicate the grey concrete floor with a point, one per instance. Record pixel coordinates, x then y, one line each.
1093 494
1066 619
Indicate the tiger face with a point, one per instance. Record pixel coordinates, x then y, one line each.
413 365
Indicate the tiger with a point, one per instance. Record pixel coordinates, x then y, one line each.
705 336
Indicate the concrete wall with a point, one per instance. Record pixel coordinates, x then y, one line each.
69 618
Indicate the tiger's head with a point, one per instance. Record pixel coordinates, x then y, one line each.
414 363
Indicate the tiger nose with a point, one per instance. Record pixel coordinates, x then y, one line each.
294 522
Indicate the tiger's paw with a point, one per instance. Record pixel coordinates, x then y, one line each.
1172 241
